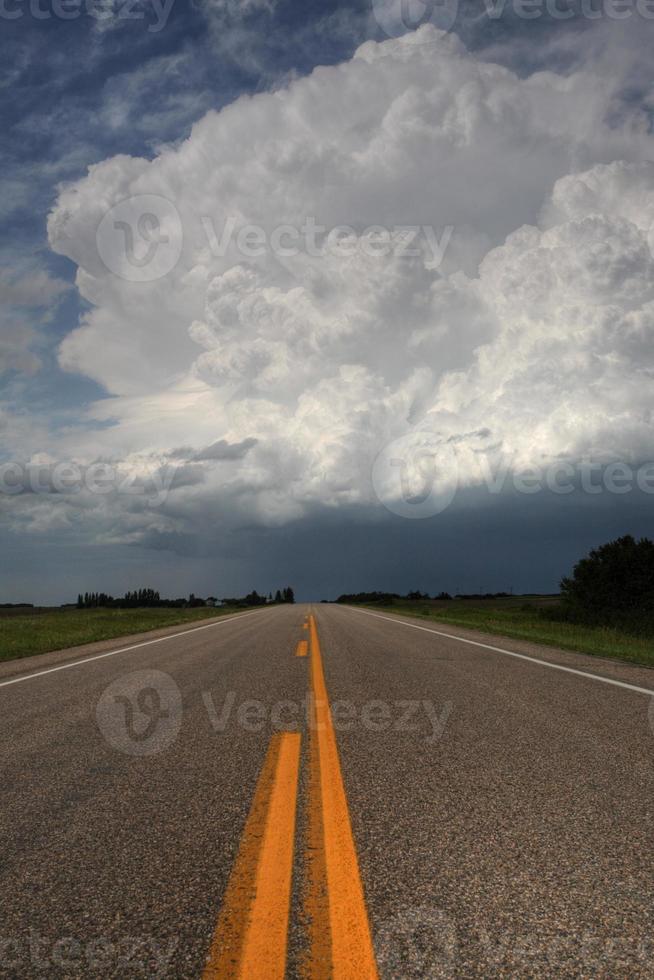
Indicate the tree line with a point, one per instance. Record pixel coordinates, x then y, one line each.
138 599
150 598
388 598
254 599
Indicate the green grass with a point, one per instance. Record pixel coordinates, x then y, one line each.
33 632
521 619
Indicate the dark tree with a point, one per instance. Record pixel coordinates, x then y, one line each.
278 596
380 598
131 600
618 577
254 599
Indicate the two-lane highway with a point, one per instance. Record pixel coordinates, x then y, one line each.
324 792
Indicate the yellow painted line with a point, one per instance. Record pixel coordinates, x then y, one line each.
340 943
302 649
251 937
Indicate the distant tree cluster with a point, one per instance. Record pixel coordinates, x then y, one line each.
95 600
251 599
380 598
138 599
194 601
144 598
483 595
254 599
388 598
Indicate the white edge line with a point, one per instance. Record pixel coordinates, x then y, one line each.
509 653
112 653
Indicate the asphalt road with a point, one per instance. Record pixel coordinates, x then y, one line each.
460 812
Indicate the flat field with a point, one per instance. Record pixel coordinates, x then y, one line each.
26 632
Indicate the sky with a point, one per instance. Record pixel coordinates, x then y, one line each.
342 296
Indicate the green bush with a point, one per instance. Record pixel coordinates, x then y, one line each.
613 586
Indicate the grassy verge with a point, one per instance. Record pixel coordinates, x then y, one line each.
523 619
29 633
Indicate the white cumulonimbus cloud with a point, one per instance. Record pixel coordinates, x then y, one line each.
521 320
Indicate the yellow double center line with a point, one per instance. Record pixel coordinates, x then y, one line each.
251 935
252 932
340 940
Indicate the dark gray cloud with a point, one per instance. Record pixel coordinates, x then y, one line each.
225 450
216 451
509 541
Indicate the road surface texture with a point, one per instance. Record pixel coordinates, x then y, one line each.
322 791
